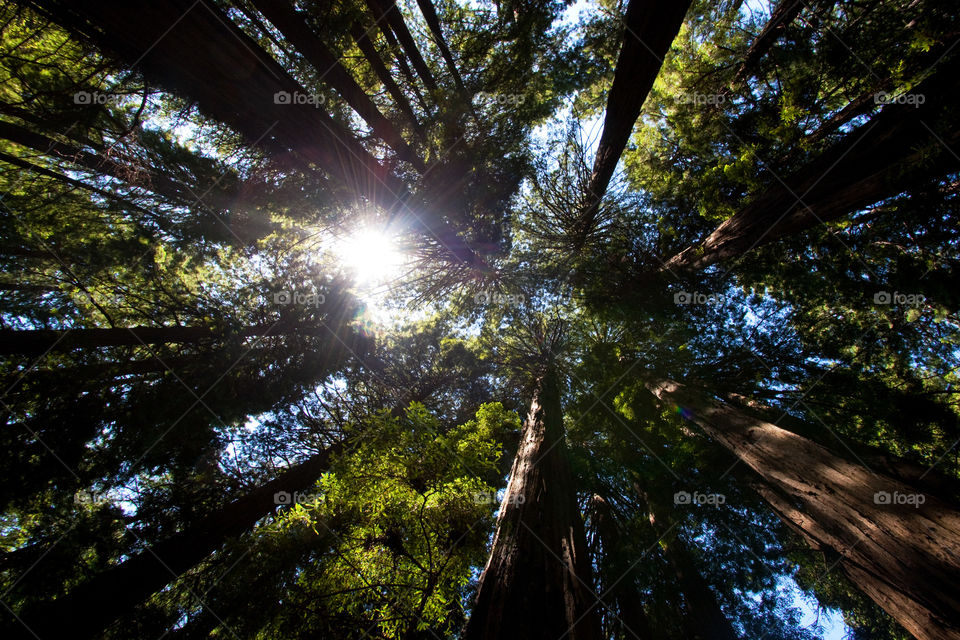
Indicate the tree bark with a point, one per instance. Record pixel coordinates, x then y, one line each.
93 605
782 15
906 558
134 176
388 9
383 74
537 580
895 150
380 21
433 21
650 27
917 476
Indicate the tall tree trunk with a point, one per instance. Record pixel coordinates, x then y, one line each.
433 21
383 74
91 606
904 145
704 619
906 558
650 27
785 12
297 33
388 10
631 617
103 375
135 176
195 50
537 580
38 341
37 169
920 477
381 22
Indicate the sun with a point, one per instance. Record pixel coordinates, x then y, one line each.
371 255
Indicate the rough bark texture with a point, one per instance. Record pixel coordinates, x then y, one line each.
135 176
369 52
93 605
906 558
537 580
902 146
918 476
650 27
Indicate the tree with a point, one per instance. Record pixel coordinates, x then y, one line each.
537 578
845 507
326 250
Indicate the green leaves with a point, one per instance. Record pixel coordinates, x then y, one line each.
410 513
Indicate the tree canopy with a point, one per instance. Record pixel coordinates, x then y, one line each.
632 320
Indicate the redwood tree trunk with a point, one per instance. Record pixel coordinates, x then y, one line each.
433 21
905 557
383 74
782 15
388 10
90 607
904 145
297 33
194 50
537 581
650 27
